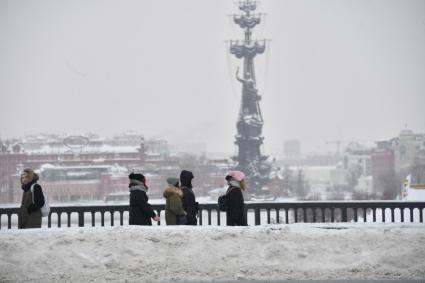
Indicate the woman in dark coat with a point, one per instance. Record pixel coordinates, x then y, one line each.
235 213
32 201
140 210
189 203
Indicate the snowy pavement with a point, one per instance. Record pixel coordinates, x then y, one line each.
164 254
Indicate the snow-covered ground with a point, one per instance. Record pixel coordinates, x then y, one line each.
166 254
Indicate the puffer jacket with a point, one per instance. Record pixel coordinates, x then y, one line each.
173 204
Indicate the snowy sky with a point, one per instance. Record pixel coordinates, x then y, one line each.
351 69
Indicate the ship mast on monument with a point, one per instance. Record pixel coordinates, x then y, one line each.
250 120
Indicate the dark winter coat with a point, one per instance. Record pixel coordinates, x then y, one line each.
235 213
30 211
173 206
141 211
190 205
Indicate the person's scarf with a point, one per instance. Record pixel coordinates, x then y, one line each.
137 185
26 187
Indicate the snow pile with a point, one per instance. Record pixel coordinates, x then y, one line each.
165 254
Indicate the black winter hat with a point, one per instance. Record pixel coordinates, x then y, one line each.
137 176
186 178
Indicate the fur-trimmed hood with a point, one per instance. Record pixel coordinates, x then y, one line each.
171 190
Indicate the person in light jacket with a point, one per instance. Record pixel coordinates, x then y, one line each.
32 201
174 212
235 213
141 211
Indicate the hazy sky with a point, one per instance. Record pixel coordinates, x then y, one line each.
333 70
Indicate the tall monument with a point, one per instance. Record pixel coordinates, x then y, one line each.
250 120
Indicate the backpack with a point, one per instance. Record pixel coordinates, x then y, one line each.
45 209
222 201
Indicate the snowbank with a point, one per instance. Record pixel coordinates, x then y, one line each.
165 254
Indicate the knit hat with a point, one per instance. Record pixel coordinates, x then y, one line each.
237 175
173 181
137 176
186 178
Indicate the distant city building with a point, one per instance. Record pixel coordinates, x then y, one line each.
310 160
9 162
69 165
339 177
409 148
196 148
383 159
364 185
89 168
357 158
402 155
75 183
129 138
157 147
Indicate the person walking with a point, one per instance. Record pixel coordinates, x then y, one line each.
174 212
235 213
32 200
141 211
189 202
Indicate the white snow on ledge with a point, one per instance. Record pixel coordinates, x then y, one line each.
165 254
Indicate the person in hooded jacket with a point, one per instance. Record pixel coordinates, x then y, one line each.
235 213
189 202
32 201
174 212
141 212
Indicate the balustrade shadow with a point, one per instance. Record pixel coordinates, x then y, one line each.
257 213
